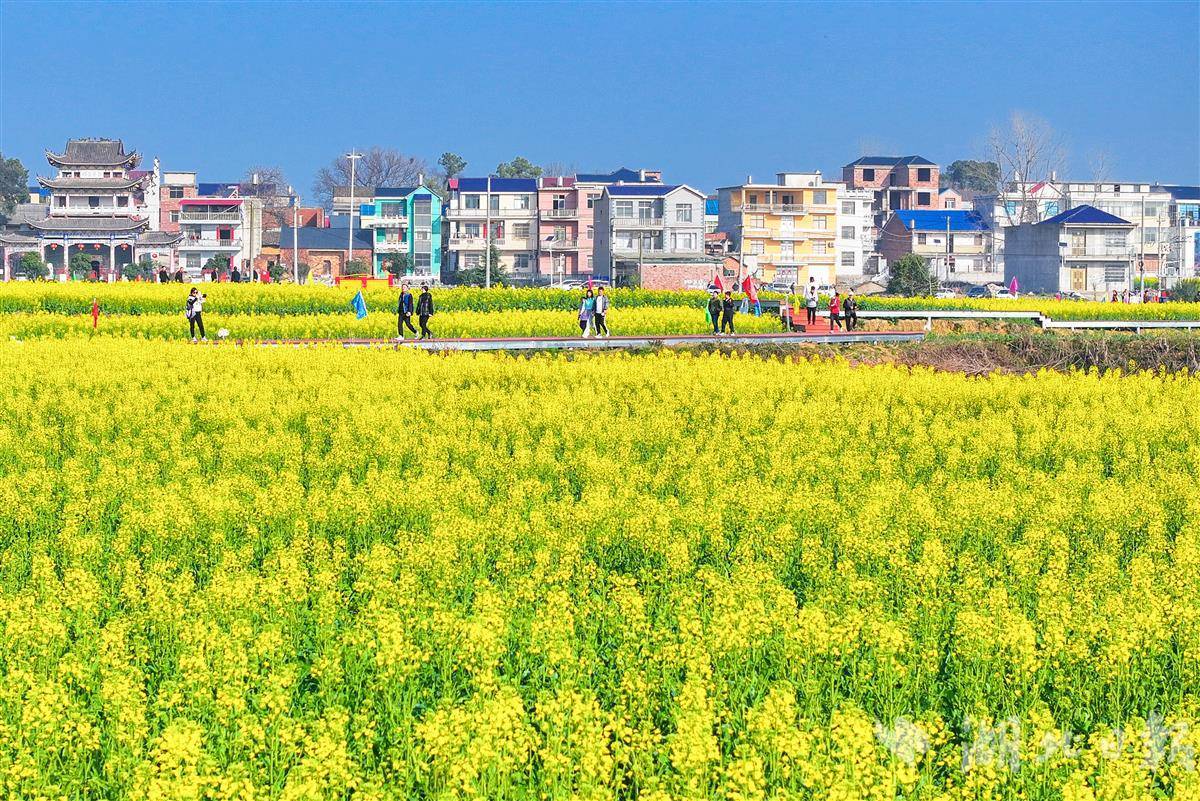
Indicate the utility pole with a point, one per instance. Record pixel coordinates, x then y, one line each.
295 236
487 236
1142 249
353 156
948 248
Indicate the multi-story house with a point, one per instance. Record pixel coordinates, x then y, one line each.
566 220
855 243
654 232
176 186
1082 250
406 229
788 229
1180 247
497 211
213 231
953 241
898 182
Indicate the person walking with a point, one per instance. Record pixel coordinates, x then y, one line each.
404 312
835 307
195 313
714 311
179 275
425 311
586 309
162 275
601 311
235 276
810 300
850 311
728 307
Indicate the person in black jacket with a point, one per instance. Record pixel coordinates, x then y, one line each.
714 311
162 275
404 311
850 311
425 311
727 309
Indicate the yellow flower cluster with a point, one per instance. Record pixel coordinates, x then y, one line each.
244 573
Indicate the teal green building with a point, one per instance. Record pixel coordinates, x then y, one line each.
406 227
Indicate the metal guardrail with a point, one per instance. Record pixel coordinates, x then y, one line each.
929 315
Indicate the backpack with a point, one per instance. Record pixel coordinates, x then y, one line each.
187 311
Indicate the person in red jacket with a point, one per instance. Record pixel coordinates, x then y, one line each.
835 310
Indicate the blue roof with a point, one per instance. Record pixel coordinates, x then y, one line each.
210 189
395 191
958 219
324 238
498 184
1085 215
645 190
624 174
712 206
1184 192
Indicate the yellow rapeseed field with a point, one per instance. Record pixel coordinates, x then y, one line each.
275 573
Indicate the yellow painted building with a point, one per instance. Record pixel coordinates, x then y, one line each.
789 228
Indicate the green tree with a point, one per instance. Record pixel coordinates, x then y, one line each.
452 164
143 268
910 277
32 267
477 276
218 263
1187 289
79 265
14 185
520 167
981 176
398 264
357 267
277 271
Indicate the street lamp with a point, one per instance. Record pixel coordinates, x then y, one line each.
295 234
353 156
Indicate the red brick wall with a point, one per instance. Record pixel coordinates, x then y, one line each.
676 276
168 204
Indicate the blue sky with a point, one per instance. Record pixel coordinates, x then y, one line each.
708 92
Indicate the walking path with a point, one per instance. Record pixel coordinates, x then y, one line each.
616 342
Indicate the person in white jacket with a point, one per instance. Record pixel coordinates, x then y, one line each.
601 310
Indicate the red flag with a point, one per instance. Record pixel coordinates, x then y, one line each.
1012 286
748 288
717 282
95 313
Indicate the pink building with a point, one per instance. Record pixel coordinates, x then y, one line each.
566 226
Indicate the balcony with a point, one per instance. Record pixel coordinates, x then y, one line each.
621 250
625 223
200 243
560 214
820 234
186 215
496 214
773 208
559 244
390 246
1100 251
464 242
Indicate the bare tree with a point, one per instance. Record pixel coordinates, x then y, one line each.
378 167
1100 164
270 185
1028 152
559 168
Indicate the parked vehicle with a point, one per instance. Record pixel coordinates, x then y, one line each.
1004 294
946 294
977 292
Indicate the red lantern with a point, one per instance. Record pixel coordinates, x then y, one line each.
124 247
97 247
53 246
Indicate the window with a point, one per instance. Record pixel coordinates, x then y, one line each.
1052 208
819 223
922 198
951 203
1114 239
589 263
471 201
494 202
420 235
522 201
847 232
93 202
753 199
623 208
756 221
176 192
521 262
755 247
521 230
1151 236
848 207
122 200
61 200
923 174
591 201
683 212
423 260
646 210
683 241
193 261
471 229
1010 208
591 232
922 239
472 260
848 258
558 202
1150 211
868 175
819 248
978 240
820 197
174 216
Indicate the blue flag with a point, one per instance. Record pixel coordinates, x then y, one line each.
359 305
